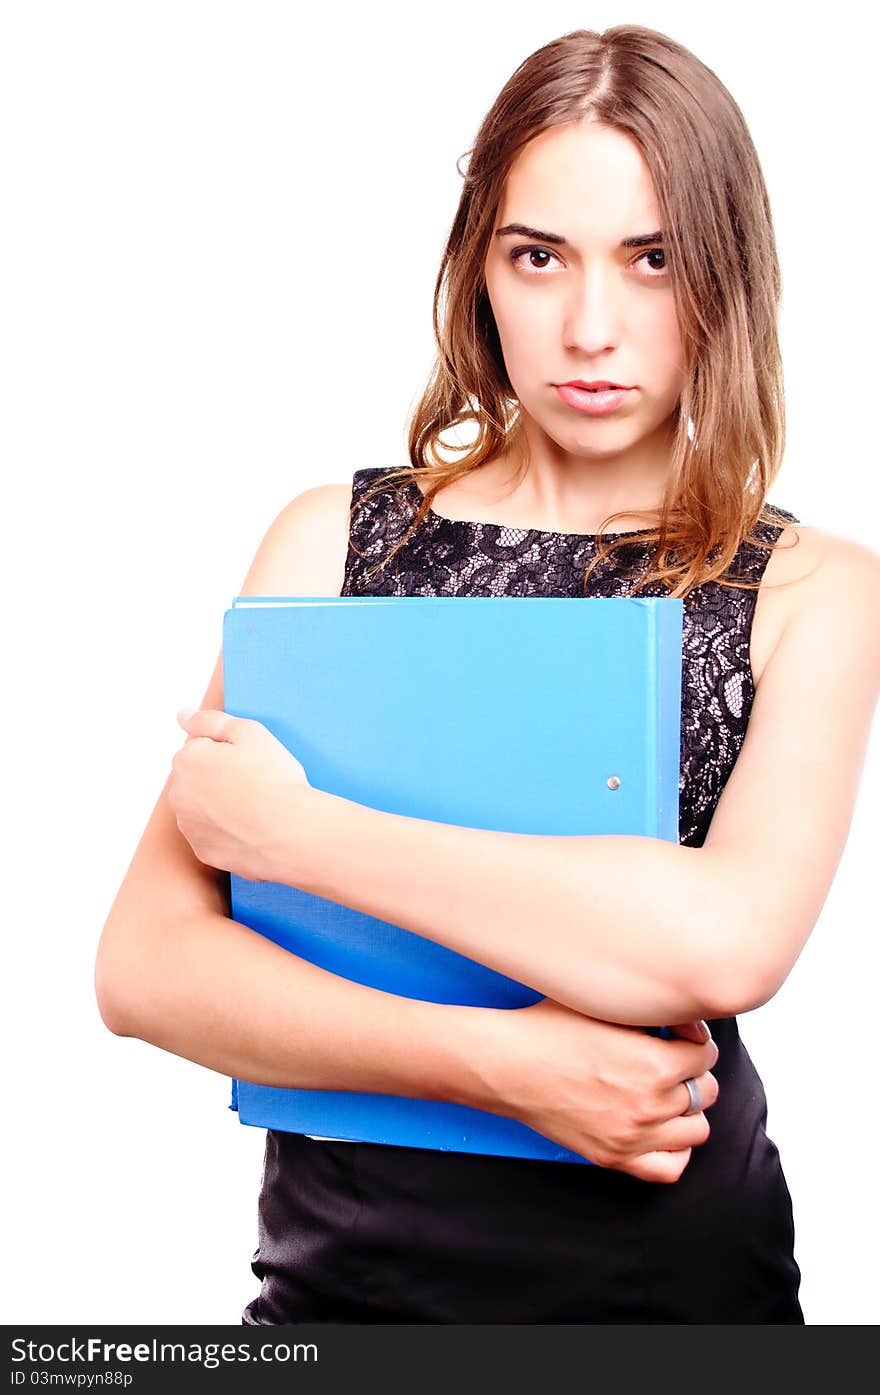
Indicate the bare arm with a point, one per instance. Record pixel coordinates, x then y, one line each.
214 991
174 968
610 925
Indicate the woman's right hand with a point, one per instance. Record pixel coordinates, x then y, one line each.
610 1092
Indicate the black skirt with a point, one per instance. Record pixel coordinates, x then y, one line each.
367 1232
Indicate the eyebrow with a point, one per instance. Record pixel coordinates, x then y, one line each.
522 230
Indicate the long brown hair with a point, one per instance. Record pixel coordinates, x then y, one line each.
721 253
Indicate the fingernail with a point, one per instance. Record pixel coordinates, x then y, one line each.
185 713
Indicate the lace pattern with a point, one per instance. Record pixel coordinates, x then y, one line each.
452 557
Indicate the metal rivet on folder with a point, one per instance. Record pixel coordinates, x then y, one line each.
613 782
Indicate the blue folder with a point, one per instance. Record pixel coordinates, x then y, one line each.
550 715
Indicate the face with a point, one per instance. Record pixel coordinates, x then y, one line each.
585 307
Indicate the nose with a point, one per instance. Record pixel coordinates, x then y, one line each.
593 312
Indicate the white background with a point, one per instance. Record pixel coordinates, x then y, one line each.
221 230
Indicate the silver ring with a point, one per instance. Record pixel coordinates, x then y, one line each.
693 1090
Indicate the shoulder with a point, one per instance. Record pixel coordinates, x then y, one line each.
843 595
825 588
807 559
810 574
322 507
303 551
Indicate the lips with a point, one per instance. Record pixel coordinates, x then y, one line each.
596 386
592 401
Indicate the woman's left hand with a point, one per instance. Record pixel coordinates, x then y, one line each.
239 795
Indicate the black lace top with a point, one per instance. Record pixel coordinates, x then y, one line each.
454 557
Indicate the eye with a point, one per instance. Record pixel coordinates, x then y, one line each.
530 252
654 252
656 274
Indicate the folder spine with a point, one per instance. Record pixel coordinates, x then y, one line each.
652 714
669 622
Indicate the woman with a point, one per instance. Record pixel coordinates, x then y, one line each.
614 228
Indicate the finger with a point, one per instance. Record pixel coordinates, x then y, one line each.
657 1167
692 1031
207 721
689 1058
678 1099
